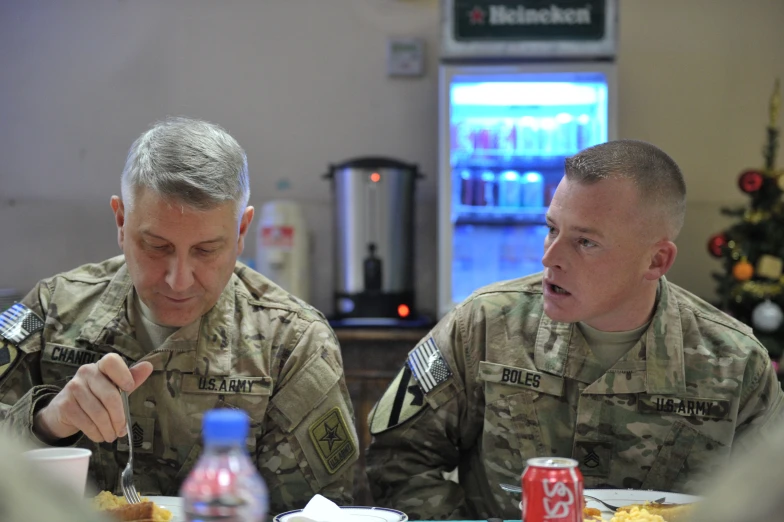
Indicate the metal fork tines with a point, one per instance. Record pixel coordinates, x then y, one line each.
126 479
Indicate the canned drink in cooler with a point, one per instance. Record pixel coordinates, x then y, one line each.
584 132
507 137
532 190
565 134
509 189
487 191
528 136
547 130
468 183
462 137
552 490
486 138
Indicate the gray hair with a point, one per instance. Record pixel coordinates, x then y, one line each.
658 178
192 162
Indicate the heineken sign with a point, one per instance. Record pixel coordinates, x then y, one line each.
526 20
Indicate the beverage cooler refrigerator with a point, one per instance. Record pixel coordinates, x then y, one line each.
506 124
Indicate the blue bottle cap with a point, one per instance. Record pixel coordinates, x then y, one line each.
224 426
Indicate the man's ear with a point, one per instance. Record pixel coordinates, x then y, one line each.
245 220
119 219
662 258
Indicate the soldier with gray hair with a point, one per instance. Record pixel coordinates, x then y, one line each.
182 327
599 358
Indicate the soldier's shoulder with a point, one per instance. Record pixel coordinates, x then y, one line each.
514 292
90 273
712 323
705 312
263 294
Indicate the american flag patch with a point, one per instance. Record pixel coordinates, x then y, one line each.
18 323
428 365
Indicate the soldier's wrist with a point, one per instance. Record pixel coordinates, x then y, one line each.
46 431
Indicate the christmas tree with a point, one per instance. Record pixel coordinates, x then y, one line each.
751 288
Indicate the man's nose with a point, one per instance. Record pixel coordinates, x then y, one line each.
180 274
553 257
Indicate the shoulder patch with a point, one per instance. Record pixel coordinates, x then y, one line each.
8 354
18 323
403 399
332 440
428 365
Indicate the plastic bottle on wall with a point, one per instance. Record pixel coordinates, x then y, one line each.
282 247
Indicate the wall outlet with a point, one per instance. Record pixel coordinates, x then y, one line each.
405 56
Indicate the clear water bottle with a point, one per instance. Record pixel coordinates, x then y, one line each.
225 485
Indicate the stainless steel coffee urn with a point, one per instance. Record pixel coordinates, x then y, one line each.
374 239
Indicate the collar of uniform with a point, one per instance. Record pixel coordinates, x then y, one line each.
108 322
217 334
663 352
655 364
562 350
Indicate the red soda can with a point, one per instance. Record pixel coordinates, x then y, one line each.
552 490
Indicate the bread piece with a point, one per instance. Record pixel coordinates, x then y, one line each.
133 512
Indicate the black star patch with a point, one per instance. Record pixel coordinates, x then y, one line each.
331 436
332 440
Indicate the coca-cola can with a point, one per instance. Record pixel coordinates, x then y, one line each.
552 490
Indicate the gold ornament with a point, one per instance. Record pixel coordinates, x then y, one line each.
755 216
770 267
758 290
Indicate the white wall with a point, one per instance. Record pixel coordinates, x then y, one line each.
299 83
302 83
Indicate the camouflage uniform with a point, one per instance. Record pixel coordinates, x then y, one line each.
511 384
258 349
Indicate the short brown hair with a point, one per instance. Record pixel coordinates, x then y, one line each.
656 175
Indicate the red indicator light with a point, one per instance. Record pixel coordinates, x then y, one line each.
403 310
375 177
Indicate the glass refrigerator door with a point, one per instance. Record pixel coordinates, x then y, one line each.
508 137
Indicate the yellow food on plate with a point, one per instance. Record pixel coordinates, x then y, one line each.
114 505
636 514
667 512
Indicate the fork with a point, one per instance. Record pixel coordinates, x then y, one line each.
126 479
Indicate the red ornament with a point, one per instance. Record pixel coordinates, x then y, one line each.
716 244
750 181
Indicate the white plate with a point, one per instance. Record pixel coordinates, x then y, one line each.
357 514
173 504
624 497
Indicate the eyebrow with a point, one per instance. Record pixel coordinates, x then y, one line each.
206 242
582 230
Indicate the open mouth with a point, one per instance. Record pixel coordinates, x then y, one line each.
557 289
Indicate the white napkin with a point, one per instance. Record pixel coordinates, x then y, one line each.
319 509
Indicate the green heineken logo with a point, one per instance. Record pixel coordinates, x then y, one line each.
522 15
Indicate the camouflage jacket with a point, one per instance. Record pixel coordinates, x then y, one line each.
496 382
258 349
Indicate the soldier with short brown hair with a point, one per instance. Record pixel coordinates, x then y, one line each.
599 358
